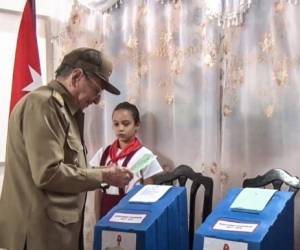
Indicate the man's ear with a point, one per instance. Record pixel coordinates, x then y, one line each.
76 75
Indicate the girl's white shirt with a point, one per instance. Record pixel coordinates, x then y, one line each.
152 169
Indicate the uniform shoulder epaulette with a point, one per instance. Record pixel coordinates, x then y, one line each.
57 96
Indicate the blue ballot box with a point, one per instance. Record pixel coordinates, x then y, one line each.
272 228
161 225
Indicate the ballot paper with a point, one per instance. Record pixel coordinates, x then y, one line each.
252 200
150 193
143 162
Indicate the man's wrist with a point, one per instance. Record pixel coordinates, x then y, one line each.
105 176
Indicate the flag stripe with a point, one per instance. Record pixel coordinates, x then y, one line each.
26 54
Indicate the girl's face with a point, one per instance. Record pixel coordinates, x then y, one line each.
124 126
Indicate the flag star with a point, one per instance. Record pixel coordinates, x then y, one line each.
36 80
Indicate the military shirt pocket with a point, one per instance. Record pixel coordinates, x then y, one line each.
63 216
74 143
74 151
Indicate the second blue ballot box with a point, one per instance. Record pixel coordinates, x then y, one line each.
272 228
161 225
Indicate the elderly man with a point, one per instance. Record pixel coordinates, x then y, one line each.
46 175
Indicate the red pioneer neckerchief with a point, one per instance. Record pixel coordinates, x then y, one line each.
131 147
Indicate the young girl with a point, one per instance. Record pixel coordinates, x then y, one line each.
125 151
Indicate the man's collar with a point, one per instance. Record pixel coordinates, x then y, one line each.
68 99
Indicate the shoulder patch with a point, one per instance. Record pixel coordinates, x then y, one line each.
57 96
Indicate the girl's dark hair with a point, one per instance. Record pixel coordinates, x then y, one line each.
130 107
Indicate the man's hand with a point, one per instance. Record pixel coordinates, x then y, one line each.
116 176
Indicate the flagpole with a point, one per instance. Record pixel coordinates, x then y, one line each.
32 2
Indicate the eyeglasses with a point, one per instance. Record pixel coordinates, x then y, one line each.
93 84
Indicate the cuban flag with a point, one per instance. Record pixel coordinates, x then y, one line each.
27 70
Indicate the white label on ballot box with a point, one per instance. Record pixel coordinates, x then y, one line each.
235 226
150 193
212 244
127 218
114 240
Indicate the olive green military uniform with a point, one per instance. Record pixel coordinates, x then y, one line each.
46 175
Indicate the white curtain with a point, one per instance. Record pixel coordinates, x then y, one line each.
261 95
223 99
